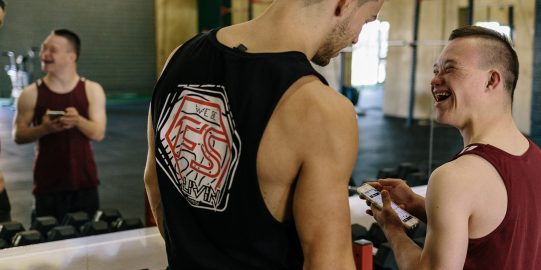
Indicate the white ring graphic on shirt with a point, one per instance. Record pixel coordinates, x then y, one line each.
199 146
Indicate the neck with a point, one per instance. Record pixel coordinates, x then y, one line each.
289 27
62 81
499 131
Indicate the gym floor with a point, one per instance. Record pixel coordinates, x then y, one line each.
120 157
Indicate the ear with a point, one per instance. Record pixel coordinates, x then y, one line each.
341 7
494 80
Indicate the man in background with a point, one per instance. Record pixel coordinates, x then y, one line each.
63 112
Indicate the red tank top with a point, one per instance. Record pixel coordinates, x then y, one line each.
64 160
516 242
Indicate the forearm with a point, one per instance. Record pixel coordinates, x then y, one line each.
22 135
406 252
92 130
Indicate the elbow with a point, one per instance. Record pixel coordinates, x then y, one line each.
98 137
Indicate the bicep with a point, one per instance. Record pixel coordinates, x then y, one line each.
448 212
96 106
321 205
25 108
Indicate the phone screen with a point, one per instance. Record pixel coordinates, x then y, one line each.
374 195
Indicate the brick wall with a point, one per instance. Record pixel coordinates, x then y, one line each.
118 39
536 85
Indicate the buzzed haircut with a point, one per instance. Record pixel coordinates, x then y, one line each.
498 51
72 38
3 4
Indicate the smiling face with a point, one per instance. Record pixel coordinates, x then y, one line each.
459 83
347 31
56 54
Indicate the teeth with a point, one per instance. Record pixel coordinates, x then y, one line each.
441 95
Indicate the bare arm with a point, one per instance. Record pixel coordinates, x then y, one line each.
448 205
23 130
151 178
328 139
94 126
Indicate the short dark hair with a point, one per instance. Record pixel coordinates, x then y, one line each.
499 52
3 4
72 38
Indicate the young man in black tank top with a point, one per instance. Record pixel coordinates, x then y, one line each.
482 208
288 140
65 174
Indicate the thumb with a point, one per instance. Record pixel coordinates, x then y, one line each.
386 198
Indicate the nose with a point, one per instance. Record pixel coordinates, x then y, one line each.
436 79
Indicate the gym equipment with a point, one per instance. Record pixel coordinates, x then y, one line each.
76 219
108 215
358 232
94 228
405 168
44 224
416 179
123 224
384 258
376 235
387 173
362 254
27 238
61 233
9 229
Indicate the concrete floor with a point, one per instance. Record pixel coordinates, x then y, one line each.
120 157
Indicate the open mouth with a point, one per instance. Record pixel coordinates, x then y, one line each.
441 95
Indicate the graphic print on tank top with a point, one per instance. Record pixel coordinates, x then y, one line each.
199 146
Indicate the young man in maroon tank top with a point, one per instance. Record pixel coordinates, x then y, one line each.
65 175
483 208
306 153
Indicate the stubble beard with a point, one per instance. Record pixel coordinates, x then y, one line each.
333 43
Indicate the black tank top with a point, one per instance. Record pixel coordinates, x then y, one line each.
209 110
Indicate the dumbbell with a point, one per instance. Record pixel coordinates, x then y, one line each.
94 228
387 173
417 179
76 219
9 229
108 215
405 168
44 224
25 238
376 235
61 233
384 258
122 224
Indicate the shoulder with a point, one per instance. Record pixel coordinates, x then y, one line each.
320 114
93 86
462 179
28 95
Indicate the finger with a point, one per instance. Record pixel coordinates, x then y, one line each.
374 184
386 198
369 212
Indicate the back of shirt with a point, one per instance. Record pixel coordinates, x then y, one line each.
209 111
516 242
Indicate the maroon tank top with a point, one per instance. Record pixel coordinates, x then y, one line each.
64 160
516 242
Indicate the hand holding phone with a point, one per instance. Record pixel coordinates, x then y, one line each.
53 115
372 195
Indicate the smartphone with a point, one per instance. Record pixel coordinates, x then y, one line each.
371 194
53 115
